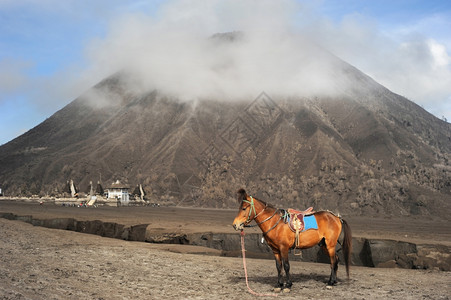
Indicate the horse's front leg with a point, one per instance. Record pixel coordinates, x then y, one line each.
279 285
286 266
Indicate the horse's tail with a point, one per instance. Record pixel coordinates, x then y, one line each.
347 244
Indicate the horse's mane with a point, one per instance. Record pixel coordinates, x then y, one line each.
242 195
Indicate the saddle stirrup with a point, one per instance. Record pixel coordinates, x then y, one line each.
296 245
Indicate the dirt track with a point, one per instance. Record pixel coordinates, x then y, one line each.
41 263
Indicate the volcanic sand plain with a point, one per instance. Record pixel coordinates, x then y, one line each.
43 263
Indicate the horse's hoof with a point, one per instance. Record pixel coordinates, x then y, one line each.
329 287
286 290
331 283
277 290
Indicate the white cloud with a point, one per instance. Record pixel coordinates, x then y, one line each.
420 69
174 53
170 50
407 61
439 54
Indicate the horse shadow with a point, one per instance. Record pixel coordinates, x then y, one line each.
296 278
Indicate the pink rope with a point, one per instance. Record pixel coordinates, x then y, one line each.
243 250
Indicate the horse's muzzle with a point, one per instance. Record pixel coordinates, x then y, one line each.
238 226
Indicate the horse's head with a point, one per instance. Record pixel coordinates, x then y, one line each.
247 210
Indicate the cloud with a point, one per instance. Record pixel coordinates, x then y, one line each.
171 49
175 53
406 60
421 72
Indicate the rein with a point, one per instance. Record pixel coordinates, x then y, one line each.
274 226
267 219
243 250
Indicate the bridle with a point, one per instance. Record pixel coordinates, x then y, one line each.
252 209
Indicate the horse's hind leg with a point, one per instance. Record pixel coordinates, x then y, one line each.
334 269
330 251
333 264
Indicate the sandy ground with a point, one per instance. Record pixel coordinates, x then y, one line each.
42 263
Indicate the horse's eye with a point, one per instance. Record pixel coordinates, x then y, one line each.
244 208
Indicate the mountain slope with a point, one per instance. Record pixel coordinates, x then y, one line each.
366 151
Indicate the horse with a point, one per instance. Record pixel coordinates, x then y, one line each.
281 238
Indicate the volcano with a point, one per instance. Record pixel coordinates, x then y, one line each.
364 151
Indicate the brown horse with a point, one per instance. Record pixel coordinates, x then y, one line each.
281 238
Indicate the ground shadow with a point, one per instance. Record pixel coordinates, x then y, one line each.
272 280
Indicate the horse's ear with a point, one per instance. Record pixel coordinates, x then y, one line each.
241 195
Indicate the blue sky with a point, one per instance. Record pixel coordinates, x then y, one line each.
51 51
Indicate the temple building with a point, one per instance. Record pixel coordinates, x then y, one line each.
119 192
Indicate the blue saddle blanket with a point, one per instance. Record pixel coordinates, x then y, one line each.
310 222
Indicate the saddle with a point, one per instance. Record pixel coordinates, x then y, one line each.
295 220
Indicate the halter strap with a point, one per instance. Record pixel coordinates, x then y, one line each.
256 215
250 210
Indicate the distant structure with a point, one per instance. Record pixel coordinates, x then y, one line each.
91 189
70 190
119 192
99 189
73 191
92 197
138 192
